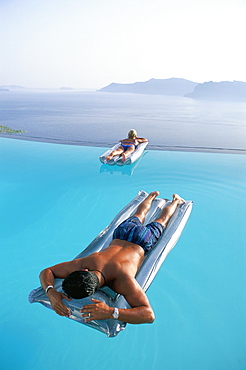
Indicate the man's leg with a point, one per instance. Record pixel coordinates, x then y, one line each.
169 210
144 207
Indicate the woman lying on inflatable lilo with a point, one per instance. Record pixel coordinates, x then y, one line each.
127 146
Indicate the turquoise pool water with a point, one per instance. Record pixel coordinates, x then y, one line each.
56 198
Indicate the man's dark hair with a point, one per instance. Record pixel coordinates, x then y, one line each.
80 284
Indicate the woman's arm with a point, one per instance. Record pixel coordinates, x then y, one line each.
141 139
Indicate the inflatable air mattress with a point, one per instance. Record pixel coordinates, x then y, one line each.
152 262
118 160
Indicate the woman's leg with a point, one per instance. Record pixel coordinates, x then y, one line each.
118 151
126 154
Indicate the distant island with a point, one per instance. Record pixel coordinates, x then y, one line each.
66 88
224 90
11 87
171 86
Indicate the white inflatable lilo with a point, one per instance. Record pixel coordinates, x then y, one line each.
118 159
152 262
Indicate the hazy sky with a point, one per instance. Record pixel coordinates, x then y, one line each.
91 43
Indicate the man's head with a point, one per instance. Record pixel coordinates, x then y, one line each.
80 284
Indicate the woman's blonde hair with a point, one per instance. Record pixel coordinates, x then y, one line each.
132 134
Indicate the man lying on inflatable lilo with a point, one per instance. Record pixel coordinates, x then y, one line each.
116 267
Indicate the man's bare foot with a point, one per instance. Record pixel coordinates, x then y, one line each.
178 199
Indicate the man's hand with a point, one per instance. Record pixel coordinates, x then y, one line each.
96 311
56 302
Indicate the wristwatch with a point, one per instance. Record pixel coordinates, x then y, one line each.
115 313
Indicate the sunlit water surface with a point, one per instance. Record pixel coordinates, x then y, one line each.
56 198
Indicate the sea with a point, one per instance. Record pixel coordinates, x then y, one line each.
97 118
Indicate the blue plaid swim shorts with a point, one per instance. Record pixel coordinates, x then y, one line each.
132 230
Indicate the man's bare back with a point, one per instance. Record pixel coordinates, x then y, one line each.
116 266
121 257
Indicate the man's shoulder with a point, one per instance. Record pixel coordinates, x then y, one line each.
124 283
131 290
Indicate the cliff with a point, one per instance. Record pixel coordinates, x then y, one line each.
224 90
171 86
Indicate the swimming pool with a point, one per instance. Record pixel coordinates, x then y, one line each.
56 198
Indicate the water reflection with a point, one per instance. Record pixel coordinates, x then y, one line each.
127 169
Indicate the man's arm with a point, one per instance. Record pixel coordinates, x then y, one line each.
139 313
47 278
